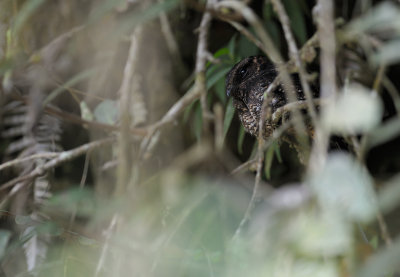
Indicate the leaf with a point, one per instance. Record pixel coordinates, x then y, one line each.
269 157
232 46
240 139
213 77
384 16
297 21
230 111
245 47
388 53
387 131
278 152
4 238
198 122
86 113
188 111
322 233
344 186
23 15
356 110
107 112
220 90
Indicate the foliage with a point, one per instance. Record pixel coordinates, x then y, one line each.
170 183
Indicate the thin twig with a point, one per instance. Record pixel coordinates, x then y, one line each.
201 60
294 54
243 166
265 111
73 118
61 158
247 34
125 105
326 33
28 158
281 111
326 30
106 244
384 230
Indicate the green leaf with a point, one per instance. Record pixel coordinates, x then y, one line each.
232 46
221 52
245 47
278 152
240 139
230 111
86 113
320 233
220 74
220 90
4 238
198 122
356 110
269 157
344 186
107 112
188 111
23 15
297 21
268 11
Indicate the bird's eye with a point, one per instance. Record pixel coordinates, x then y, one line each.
243 72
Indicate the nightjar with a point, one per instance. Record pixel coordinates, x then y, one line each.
246 83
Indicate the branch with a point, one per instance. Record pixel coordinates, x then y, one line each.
62 157
294 54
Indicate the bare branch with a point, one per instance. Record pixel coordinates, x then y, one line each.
294 54
61 158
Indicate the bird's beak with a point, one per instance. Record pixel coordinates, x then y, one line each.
228 92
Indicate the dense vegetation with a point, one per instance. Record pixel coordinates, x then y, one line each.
121 154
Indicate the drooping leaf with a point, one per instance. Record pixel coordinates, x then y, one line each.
241 139
218 75
230 111
269 157
198 122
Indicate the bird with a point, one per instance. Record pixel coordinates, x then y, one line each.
247 82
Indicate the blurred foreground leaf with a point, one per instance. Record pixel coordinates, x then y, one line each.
106 112
356 110
344 187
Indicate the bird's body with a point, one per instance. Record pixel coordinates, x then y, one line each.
246 83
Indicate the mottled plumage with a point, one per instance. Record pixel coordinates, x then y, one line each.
246 83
